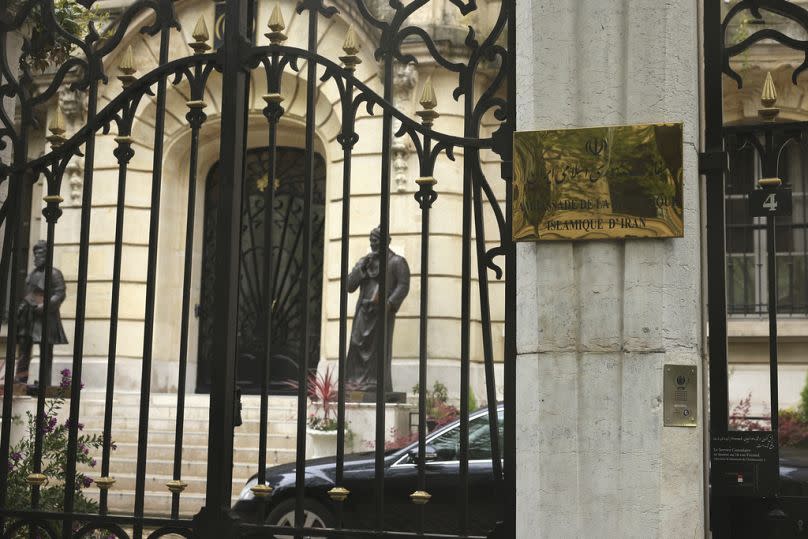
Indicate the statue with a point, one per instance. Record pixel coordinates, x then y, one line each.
30 314
366 332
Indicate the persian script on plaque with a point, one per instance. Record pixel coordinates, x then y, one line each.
598 183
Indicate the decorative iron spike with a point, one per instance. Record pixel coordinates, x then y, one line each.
768 98
57 129
201 37
428 99
420 497
351 44
769 95
351 48
261 491
105 483
428 102
339 494
37 479
276 26
176 486
127 67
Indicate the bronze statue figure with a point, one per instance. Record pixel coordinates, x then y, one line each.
366 332
31 315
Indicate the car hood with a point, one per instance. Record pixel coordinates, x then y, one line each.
324 469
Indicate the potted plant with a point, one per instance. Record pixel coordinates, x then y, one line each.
321 426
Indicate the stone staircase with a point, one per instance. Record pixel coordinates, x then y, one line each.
160 449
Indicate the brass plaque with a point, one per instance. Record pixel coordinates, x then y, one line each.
598 183
680 396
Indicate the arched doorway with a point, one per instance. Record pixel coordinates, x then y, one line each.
287 249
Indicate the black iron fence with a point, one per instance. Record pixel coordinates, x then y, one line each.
756 253
484 71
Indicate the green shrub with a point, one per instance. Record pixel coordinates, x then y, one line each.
54 461
804 401
46 48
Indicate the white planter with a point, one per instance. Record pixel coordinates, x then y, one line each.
320 443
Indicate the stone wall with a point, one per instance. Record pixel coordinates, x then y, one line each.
597 321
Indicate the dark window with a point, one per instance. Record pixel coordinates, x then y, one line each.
747 272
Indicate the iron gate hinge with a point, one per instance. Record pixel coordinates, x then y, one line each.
713 161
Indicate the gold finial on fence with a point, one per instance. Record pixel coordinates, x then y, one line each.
339 494
261 491
428 102
276 26
105 482
420 497
201 37
57 129
127 67
176 486
768 98
37 479
351 48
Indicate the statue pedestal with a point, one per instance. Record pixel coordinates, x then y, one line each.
18 389
360 433
393 397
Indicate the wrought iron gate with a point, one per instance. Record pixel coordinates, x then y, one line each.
748 203
485 74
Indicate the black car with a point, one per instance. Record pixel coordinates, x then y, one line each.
401 474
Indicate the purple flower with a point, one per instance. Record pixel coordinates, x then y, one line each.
10 465
86 481
16 456
68 423
93 463
65 383
48 424
65 372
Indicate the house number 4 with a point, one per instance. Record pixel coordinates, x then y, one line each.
770 202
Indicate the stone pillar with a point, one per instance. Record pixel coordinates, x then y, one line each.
598 320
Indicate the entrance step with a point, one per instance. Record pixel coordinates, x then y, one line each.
281 443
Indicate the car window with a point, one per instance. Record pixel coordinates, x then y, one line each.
447 445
